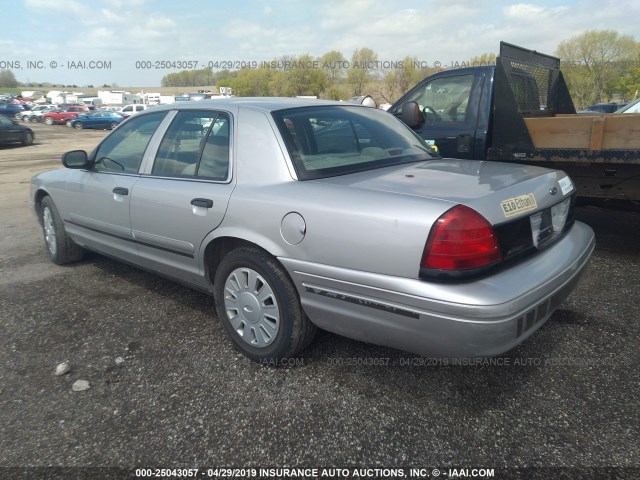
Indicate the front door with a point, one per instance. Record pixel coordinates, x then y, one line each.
449 112
96 202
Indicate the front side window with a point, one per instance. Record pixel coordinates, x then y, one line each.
196 145
336 140
445 99
122 151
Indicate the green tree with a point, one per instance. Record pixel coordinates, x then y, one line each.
8 79
304 78
362 69
629 84
593 61
189 78
249 82
334 66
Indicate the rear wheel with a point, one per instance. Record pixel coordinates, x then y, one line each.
77 125
60 248
113 125
259 307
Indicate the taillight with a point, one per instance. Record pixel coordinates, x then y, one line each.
460 239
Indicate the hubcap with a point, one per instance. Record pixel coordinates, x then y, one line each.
252 308
49 230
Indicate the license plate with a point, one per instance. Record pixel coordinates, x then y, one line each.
549 223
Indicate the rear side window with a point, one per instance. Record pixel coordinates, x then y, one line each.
335 140
122 151
196 145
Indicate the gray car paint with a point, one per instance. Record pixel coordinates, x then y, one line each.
356 267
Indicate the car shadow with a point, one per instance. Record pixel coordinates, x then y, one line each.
159 285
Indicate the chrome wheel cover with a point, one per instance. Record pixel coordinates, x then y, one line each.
49 230
252 308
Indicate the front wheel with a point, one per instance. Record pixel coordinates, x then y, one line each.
60 248
77 125
113 125
259 307
48 121
28 139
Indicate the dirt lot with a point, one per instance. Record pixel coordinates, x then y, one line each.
167 390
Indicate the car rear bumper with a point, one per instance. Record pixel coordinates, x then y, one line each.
485 317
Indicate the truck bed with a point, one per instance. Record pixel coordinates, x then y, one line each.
586 132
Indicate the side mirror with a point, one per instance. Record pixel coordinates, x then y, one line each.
76 159
411 114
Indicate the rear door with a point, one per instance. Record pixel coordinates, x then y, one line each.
450 105
183 194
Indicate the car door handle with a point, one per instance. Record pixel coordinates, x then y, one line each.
202 202
121 191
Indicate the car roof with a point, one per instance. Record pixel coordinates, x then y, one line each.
267 104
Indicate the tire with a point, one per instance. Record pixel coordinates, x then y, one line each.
28 139
113 125
18 116
77 125
259 307
69 123
48 121
60 248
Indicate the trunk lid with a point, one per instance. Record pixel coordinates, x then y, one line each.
501 192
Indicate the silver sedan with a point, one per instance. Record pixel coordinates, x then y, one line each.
296 214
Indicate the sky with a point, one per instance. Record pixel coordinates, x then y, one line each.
123 42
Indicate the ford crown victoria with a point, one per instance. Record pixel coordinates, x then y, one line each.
297 214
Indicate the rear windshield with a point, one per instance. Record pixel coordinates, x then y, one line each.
326 141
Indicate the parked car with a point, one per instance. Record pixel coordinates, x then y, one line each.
11 132
97 119
12 110
291 224
36 113
609 107
132 109
75 107
631 107
59 116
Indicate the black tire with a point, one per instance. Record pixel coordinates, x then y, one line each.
28 139
113 125
77 125
60 248
48 121
294 331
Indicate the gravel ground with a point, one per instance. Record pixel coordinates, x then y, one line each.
168 390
